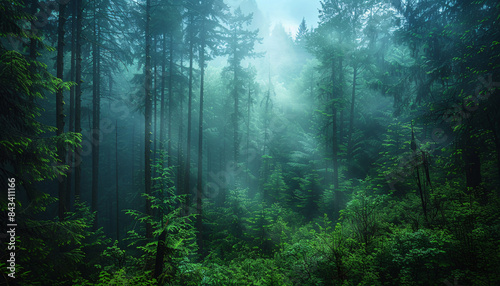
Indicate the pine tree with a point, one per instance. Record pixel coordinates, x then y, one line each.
301 36
148 117
26 152
212 13
240 45
192 10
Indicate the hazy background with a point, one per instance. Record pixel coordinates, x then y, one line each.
290 12
287 12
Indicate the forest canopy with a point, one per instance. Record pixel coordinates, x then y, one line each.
212 142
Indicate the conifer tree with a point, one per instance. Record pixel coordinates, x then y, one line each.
239 46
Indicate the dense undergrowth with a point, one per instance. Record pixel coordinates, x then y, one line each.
378 240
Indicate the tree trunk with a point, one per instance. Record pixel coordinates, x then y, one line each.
187 166
199 187
133 155
335 134
96 112
61 152
247 180
33 40
71 127
160 255
78 96
351 120
335 179
155 106
162 94
117 196
148 120
472 166
170 98
180 152
235 118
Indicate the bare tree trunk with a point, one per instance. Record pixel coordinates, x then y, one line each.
71 127
155 107
61 152
199 187
148 120
351 119
335 179
78 96
235 119
170 98
133 156
187 171
33 40
96 112
162 93
180 152
117 196
247 180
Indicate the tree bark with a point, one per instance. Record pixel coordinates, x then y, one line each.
154 117
61 152
160 255
334 134
351 119
148 120
335 179
170 97
187 166
96 112
235 118
117 196
247 180
33 40
71 127
162 93
472 166
180 143
199 187
78 96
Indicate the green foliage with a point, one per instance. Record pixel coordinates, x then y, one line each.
414 258
120 277
179 232
51 251
244 271
432 64
363 215
275 188
22 145
305 198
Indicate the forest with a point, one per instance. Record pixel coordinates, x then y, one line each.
220 142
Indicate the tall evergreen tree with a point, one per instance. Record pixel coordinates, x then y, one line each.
147 116
212 13
192 29
25 152
302 32
240 44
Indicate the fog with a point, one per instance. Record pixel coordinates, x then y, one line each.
250 142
